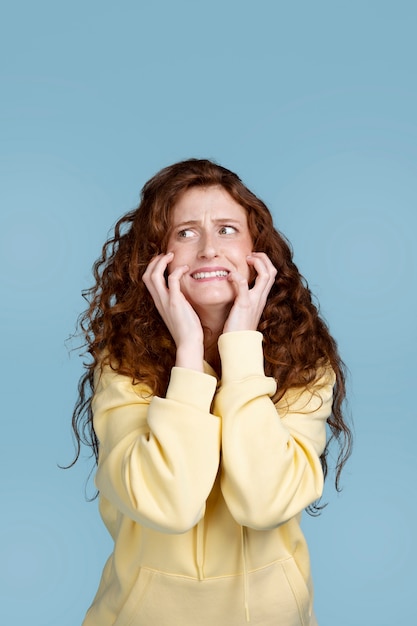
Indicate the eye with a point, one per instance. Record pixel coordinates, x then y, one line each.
227 230
185 233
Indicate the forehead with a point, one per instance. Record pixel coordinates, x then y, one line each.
213 202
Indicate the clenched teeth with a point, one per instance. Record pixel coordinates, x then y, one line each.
218 274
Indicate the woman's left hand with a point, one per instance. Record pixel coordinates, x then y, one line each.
249 303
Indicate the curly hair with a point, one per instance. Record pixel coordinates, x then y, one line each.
123 324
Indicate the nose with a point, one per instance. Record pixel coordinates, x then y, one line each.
208 247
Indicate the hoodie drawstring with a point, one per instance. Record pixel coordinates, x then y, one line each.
200 561
245 571
200 549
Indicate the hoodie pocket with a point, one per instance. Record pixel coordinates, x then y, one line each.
299 590
135 599
277 596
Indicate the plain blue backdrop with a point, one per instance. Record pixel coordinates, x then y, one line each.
314 104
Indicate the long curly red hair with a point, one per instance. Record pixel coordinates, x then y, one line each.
123 323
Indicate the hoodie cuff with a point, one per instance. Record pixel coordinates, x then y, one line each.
191 387
241 355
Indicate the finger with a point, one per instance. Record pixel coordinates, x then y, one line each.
175 277
240 285
150 268
265 270
179 272
261 260
156 269
154 279
161 263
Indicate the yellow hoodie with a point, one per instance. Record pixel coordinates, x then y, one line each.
202 492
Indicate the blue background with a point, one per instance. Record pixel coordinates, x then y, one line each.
314 104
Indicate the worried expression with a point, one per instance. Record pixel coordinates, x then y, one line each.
209 233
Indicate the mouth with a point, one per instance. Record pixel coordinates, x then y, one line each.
208 275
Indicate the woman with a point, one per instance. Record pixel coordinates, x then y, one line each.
205 403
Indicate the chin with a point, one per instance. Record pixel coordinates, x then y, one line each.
210 302
218 296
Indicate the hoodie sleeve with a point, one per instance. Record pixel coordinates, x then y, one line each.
271 453
158 457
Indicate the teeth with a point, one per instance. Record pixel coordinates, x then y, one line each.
219 274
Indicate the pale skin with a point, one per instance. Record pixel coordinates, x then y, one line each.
210 264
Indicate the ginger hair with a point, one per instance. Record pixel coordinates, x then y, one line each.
123 324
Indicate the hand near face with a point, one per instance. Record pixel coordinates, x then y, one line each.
249 304
210 265
180 318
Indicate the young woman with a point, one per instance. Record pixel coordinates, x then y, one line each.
211 382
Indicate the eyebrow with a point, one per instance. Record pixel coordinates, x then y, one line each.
220 220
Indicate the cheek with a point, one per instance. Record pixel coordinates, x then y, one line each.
183 255
178 261
245 267
174 263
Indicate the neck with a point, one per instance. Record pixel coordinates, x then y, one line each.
213 324
211 351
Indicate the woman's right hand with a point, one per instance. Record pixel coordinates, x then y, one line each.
179 316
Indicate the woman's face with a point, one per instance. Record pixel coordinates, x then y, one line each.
210 234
